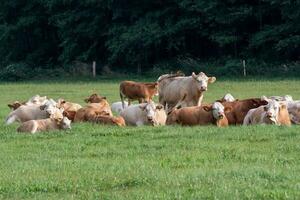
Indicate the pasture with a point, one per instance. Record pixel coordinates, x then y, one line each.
105 162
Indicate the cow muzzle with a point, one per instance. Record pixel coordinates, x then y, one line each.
202 89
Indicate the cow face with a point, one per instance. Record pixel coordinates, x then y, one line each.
151 109
51 107
217 109
203 80
272 110
228 98
65 123
37 100
94 98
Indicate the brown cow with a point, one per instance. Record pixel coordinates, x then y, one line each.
97 106
137 91
240 109
109 120
199 115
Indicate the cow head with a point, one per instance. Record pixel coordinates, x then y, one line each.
256 102
203 80
51 107
217 109
94 98
62 122
14 105
272 111
150 108
37 99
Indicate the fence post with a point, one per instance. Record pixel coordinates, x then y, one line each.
94 69
244 66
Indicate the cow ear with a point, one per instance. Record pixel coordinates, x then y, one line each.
194 75
87 100
228 109
207 108
212 79
43 107
103 97
10 105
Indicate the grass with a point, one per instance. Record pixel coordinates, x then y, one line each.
104 162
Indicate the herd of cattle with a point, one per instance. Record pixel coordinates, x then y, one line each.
180 102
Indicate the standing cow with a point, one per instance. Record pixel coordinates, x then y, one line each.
173 89
137 91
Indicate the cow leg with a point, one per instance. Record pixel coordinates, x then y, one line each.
141 100
139 123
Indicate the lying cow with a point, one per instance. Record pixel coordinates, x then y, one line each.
279 98
137 91
240 108
199 115
35 100
118 107
144 114
293 107
227 98
68 106
30 112
273 113
173 88
97 106
108 120
34 126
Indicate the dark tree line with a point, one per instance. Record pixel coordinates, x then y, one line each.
130 33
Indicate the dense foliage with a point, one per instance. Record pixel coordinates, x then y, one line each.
141 34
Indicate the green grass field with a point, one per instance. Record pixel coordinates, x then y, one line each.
104 162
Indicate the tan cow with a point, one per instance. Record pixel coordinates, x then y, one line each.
272 113
199 115
172 89
97 106
52 123
137 91
109 120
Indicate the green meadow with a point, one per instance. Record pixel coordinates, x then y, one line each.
104 162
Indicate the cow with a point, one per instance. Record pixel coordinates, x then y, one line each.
279 98
109 120
144 114
172 89
227 98
272 113
137 91
199 115
30 112
68 106
15 105
35 100
293 107
240 108
97 105
51 123
118 107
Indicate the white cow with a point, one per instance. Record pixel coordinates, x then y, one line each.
144 114
31 112
52 123
228 98
37 100
293 107
117 106
272 113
